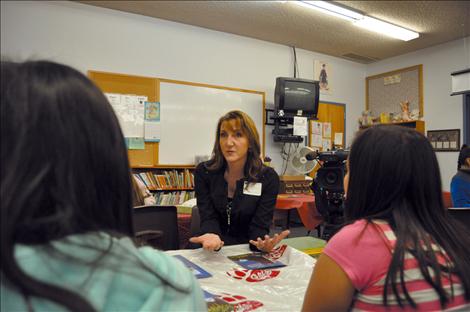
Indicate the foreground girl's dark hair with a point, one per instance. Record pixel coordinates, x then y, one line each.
64 167
394 176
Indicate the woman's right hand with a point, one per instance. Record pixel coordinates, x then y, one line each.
209 241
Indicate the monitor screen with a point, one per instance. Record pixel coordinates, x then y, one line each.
297 96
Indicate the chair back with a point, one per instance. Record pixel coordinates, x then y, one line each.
446 198
461 214
158 218
195 222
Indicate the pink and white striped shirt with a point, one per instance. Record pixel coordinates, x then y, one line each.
364 253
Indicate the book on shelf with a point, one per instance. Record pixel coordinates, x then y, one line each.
167 179
256 261
196 269
173 198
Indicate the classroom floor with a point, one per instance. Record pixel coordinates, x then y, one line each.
295 225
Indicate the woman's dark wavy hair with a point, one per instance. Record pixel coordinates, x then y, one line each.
254 165
64 167
394 176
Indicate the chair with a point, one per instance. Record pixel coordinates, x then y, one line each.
158 218
446 198
195 222
461 214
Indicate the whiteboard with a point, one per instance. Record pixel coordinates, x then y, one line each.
189 114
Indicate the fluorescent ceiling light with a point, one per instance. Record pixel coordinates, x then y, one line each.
331 9
385 28
360 20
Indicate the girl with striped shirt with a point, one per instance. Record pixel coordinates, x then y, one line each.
399 250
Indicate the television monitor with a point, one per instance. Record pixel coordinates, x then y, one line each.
297 97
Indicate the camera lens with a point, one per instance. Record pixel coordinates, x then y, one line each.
331 177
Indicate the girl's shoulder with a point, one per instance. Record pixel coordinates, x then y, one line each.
363 232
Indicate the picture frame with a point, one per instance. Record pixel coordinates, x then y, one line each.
445 140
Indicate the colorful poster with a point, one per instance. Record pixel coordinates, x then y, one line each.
322 73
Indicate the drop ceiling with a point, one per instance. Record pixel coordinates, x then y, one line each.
286 23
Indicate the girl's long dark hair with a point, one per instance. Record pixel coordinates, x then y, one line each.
394 176
64 167
254 165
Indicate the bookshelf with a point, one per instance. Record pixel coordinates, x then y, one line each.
170 186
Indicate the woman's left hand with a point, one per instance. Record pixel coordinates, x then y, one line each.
268 243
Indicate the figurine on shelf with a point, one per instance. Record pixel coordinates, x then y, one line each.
405 110
414 115
365 119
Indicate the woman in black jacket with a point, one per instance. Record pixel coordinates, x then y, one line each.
235 192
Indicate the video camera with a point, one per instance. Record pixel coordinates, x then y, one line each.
329 189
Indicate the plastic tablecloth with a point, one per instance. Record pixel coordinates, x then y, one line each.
276 289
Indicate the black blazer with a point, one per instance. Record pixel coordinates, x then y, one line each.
251 215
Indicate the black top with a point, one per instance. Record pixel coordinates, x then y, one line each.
251 214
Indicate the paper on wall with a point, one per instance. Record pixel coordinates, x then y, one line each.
316 140
134 115
327 129
152 131
136 143
119 109
300 126
339 138
326 144
317 128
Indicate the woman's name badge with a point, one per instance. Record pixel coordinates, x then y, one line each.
252 188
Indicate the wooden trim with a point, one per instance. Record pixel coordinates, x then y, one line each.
398 71
263 148
93 73
421 92
165 167
196 84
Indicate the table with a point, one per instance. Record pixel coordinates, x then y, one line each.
277 289
305 205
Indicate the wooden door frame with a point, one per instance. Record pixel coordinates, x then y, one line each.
344 120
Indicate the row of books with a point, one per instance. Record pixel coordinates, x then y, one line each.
167 179
173 198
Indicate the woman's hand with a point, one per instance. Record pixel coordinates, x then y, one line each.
209 241
268 243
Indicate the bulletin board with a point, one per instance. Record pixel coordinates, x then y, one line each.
332 118
188 114
385 91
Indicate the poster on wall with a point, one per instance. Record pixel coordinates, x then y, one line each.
322 73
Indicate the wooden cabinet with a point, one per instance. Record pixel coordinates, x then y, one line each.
418 125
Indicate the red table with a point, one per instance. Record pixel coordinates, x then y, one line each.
305 205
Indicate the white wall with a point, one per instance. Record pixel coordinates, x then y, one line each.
94 38
441 111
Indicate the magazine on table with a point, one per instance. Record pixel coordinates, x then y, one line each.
259 260
197 270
